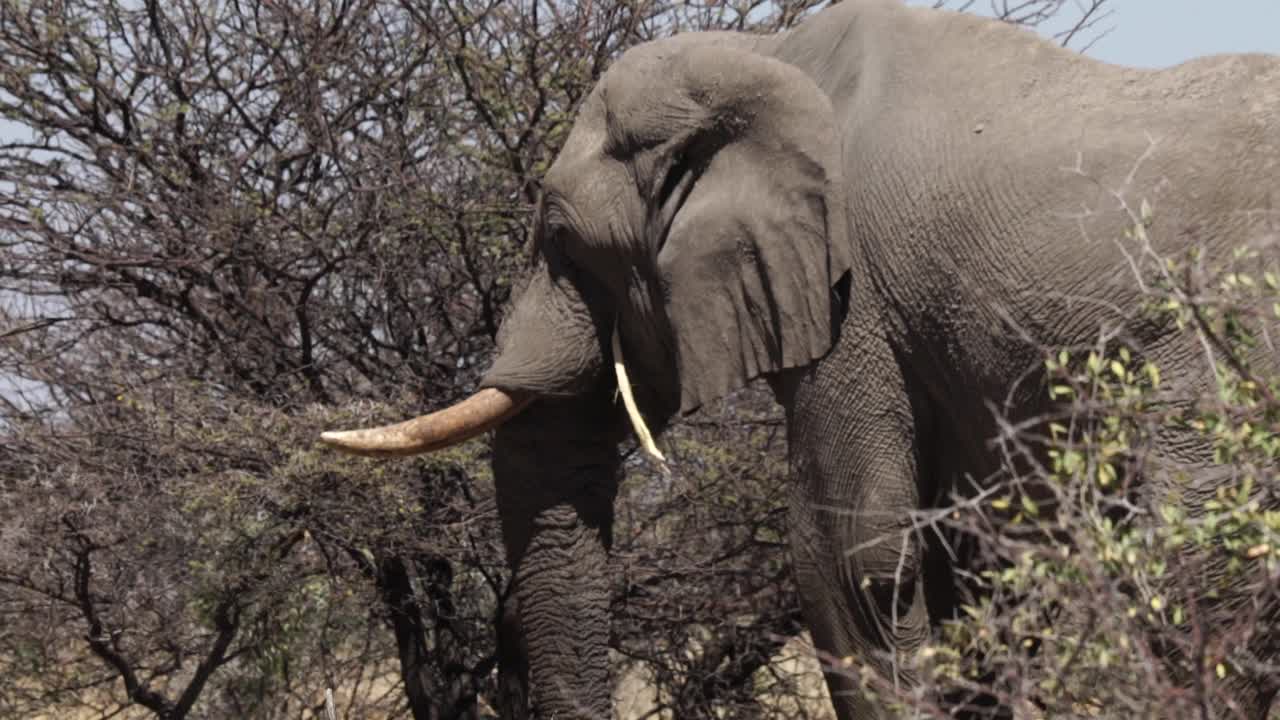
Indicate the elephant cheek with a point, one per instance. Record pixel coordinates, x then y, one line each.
550 343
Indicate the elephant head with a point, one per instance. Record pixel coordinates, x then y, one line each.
693 222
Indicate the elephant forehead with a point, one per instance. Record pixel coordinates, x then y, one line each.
586 139
586 183
650 117
660 87
586 174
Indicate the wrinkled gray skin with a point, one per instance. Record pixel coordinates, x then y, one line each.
887 212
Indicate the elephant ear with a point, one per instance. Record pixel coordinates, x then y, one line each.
760 239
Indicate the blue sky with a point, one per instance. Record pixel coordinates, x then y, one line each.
1158 33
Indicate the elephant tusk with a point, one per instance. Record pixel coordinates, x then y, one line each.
483 411
629 402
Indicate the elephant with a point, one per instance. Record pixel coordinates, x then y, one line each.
887 213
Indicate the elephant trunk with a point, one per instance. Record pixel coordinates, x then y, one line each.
556 471
556 466
483 411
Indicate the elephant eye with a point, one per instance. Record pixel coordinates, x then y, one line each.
569 247
550 227
555 225
561 238
560 242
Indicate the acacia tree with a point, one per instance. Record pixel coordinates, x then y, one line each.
221 212
225 226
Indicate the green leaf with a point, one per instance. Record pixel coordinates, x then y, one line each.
1106 474
1029 506
1117 369
1153 372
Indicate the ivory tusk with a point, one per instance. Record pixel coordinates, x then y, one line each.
629 402
484 410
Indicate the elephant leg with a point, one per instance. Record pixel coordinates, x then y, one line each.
1247 605
859 562
555 503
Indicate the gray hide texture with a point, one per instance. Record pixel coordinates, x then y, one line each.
960 186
